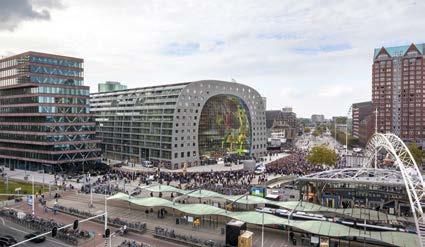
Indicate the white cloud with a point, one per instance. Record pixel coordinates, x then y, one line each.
332 91
309 47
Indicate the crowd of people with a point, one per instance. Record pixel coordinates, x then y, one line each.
224 182
294 164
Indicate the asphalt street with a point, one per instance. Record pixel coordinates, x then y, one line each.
18 232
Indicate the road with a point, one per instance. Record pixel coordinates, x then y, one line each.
93 227
117 209
45 178
18 232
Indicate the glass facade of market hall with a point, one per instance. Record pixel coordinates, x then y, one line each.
45 120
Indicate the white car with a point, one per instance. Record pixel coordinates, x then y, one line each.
282 212
147 164
259 171
265 210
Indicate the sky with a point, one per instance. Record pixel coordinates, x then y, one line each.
315 56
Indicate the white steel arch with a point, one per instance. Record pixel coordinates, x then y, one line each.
405 163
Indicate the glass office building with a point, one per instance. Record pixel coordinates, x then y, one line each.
179 124
110 86
45 121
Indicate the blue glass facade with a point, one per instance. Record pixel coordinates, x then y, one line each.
54 71
45 120
55 80
55 61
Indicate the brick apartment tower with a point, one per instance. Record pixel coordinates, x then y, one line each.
45 119
398 91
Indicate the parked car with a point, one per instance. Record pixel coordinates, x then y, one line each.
147 164
7 240
36 240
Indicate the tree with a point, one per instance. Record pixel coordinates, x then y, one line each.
322 155
416 152
307 130
315 133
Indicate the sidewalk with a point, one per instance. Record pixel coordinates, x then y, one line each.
131 214
96 228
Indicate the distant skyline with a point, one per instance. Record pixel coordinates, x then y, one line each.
314 56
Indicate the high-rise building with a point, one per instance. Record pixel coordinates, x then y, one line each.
110 86
398 76
45 122
366 128
186 123
317 118
359 112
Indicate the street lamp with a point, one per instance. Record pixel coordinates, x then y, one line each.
293 210
262 228
91 192
106 221
33 196
350 110
262 218
7 183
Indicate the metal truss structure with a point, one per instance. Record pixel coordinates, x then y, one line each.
403 171
361 175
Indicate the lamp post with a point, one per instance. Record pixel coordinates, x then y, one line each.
262 229
43 179
106 221
7 183
91 192
293 210
33 196
350 110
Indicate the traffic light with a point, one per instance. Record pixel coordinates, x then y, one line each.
75 226
107 233
54 231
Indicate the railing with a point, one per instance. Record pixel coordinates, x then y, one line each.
133 243
171 235
38 224
139 227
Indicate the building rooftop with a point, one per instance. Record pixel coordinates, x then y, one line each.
360 104
396 51
41 54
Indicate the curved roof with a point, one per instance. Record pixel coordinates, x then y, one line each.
324 228
357 213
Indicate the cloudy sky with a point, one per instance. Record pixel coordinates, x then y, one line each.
312 55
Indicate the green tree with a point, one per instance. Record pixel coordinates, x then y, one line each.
307 130
322 155
315 133
416 152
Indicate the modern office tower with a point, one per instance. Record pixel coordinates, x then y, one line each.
45 121
366 128
359 112
110 86
397 91
178 124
